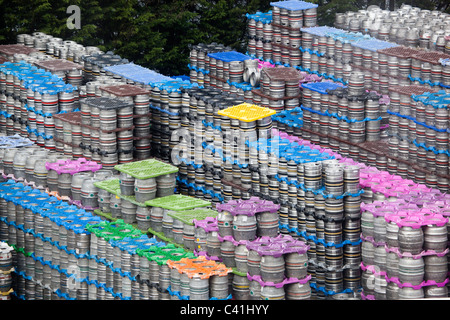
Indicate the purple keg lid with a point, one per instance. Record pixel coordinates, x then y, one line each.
209 224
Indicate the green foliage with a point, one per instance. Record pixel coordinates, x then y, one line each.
157 33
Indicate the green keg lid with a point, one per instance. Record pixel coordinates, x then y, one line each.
113 230
111 185
160 255
188 216
177 202
145 169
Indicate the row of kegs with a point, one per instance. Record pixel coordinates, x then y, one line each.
278 38
33 120
56 47
68 71
404 148
203 65
198 54
107 129
28 108
424 106
407 25
128 263
80 253
6 268
34 166
14 86
418 127
28 163
91 58
410 258
385 160
41 266
268 272
335 52
350 113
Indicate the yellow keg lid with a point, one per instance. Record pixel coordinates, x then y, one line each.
247 112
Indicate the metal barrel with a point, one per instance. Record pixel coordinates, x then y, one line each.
104 201
128 211
255 290
411 270
225 222
435 238
253 262
156 216
165 185
411 239
240 257
227 249
89 193
127 183
240 287
272 268
298 291
218 286
189 236
244 227
436 268
272 293
296 265
145 189
143 217
267 224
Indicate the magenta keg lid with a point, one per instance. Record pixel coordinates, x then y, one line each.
248 207
73 166
424 253
277 246
416 218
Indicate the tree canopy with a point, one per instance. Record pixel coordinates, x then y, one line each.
157 33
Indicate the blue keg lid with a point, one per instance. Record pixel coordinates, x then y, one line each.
14 141
322 87
79 223
131 245
137 73
320 30
294 5
264 17
373 44
228 56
